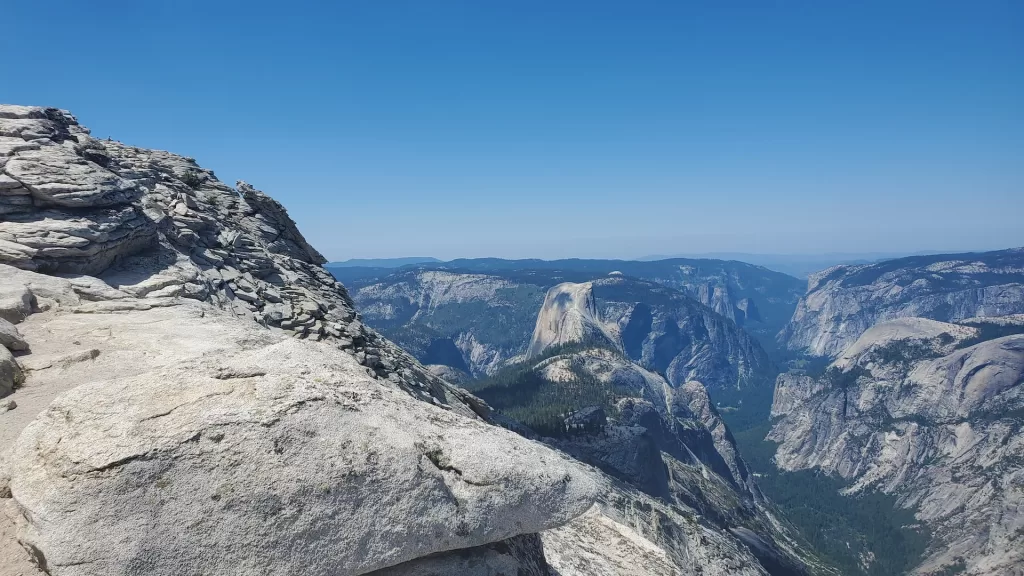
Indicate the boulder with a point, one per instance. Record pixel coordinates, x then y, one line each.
10 337
16 299
286 459
10 372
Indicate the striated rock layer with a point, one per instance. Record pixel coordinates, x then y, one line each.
152 224
913 409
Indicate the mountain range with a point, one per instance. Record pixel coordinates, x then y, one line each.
837 413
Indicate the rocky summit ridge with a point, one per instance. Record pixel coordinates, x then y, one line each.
184 390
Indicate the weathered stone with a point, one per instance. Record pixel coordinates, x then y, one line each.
330 472
16 299
57 176
519 556
56 241
10 372
10 337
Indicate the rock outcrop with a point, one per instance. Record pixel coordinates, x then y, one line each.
569 314
10 372
152 224
287 458
189 391
661 330
844 301
917 409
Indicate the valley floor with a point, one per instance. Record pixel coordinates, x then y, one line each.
867 535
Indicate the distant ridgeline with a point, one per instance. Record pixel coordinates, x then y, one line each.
474 323
759 299
842 302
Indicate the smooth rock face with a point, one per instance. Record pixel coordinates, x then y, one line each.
284 457
844 301
569 314
656 327
937 337
909 410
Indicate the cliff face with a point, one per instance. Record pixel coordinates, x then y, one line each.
931 412
569 314
475 323
186 390
844 301
669 333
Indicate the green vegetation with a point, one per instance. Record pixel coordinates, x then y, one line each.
845 530
192 179
744 409
839 379
903 353
989 331
957 567
521 393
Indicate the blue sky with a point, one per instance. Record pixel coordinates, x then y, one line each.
558 129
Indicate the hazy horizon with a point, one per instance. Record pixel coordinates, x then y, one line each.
574 129
711 255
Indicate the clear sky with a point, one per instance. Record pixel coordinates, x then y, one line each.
533 128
